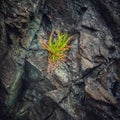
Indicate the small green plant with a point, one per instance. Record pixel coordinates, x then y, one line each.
56 47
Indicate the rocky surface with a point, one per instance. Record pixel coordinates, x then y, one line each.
86 86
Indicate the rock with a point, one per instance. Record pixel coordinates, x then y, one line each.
116 70
86 86
59 94
15 21
73 103
99 93
73 58
48 109
109 10
36 72
11 76
69 101
62 74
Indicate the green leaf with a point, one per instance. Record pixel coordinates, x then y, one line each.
57 46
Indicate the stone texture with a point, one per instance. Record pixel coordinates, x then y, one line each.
86 86
97 92
50 109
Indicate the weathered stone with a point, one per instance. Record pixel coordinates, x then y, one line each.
92 63
99 93
15 23
110 12
48 109
11 76
59 94
62 74
36 73
69 101
116 70
73 58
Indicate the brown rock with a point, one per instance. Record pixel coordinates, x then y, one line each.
97 92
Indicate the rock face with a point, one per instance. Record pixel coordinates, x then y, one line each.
86 86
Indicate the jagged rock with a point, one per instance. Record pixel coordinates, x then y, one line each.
62 74
110 12
116 70
73 103
16 23
59 94
36 72
48 109
97 92
86 86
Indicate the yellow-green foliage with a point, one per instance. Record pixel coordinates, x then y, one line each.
56 47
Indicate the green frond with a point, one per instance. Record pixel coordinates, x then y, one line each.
57 46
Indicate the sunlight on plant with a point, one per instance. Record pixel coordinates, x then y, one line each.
56 47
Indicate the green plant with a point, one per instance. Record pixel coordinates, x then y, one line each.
56 47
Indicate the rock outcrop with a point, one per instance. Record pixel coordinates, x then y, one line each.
86 86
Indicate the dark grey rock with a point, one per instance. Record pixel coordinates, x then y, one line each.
86 86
